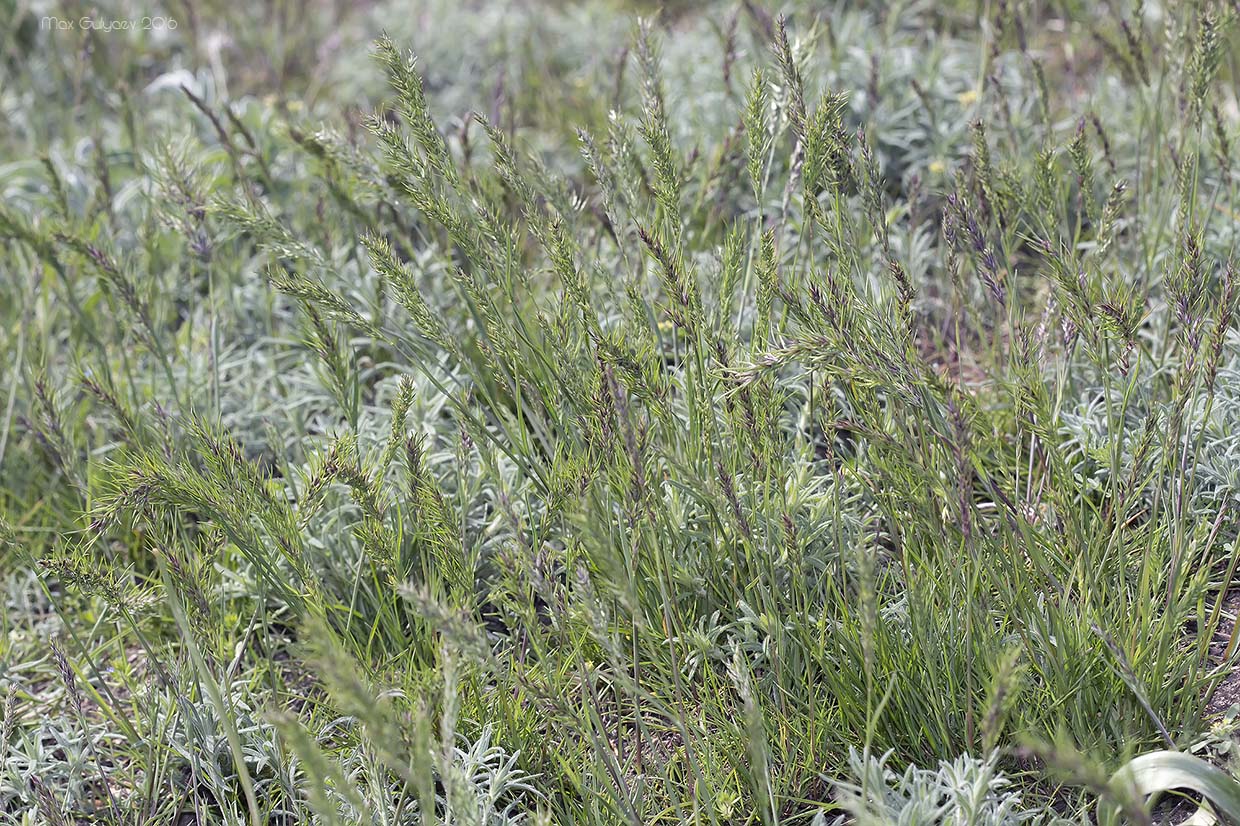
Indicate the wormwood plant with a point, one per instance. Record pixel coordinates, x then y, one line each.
641 482
963 791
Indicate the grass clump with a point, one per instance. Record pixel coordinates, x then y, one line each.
655 443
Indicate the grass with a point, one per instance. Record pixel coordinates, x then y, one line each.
737 415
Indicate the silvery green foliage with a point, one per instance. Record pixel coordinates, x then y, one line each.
1212 434
967 791
55 753
499 790
1219 457
480 785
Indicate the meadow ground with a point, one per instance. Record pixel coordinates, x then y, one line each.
721 413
